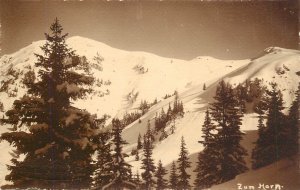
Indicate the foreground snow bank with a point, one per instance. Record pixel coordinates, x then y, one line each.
281 175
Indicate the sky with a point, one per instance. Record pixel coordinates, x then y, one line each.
184 30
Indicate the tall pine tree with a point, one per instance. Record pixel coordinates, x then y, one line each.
226 114
293 125
173 177
148 164
183 164
104 173
275 141
161 183
257 152
206 168
58 140
121 170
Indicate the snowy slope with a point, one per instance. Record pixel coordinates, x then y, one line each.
129 77
162 75
284 174
275 65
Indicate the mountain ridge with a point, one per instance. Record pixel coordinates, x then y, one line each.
129 77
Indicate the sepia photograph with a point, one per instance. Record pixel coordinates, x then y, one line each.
150 94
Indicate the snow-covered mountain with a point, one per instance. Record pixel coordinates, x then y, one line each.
126 78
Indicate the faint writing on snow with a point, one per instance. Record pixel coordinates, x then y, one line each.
260 186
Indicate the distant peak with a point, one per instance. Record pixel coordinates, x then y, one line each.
78 38
87 41
206 58
273 49
279 50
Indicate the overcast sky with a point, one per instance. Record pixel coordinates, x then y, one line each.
182 30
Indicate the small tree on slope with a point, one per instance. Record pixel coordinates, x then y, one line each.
183 164
121 170
150 133
161 183
225 113
206 168
139 142
58 140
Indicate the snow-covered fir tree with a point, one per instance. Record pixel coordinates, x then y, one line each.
227 117
121 170
183 165
173 178
160 173
148 164
206 165
56 138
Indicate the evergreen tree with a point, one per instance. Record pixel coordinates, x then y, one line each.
161 183
144 106
241 94
256 152
149 133
137 157
59 142
169 113
163 117
180 109
173 127
293 125
163 135
138 180
227 116
183 164
207 128
173 176
1 107
175 104
274 141
207 166
148 164
204 86
121 170
139 142
104 173
161 120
